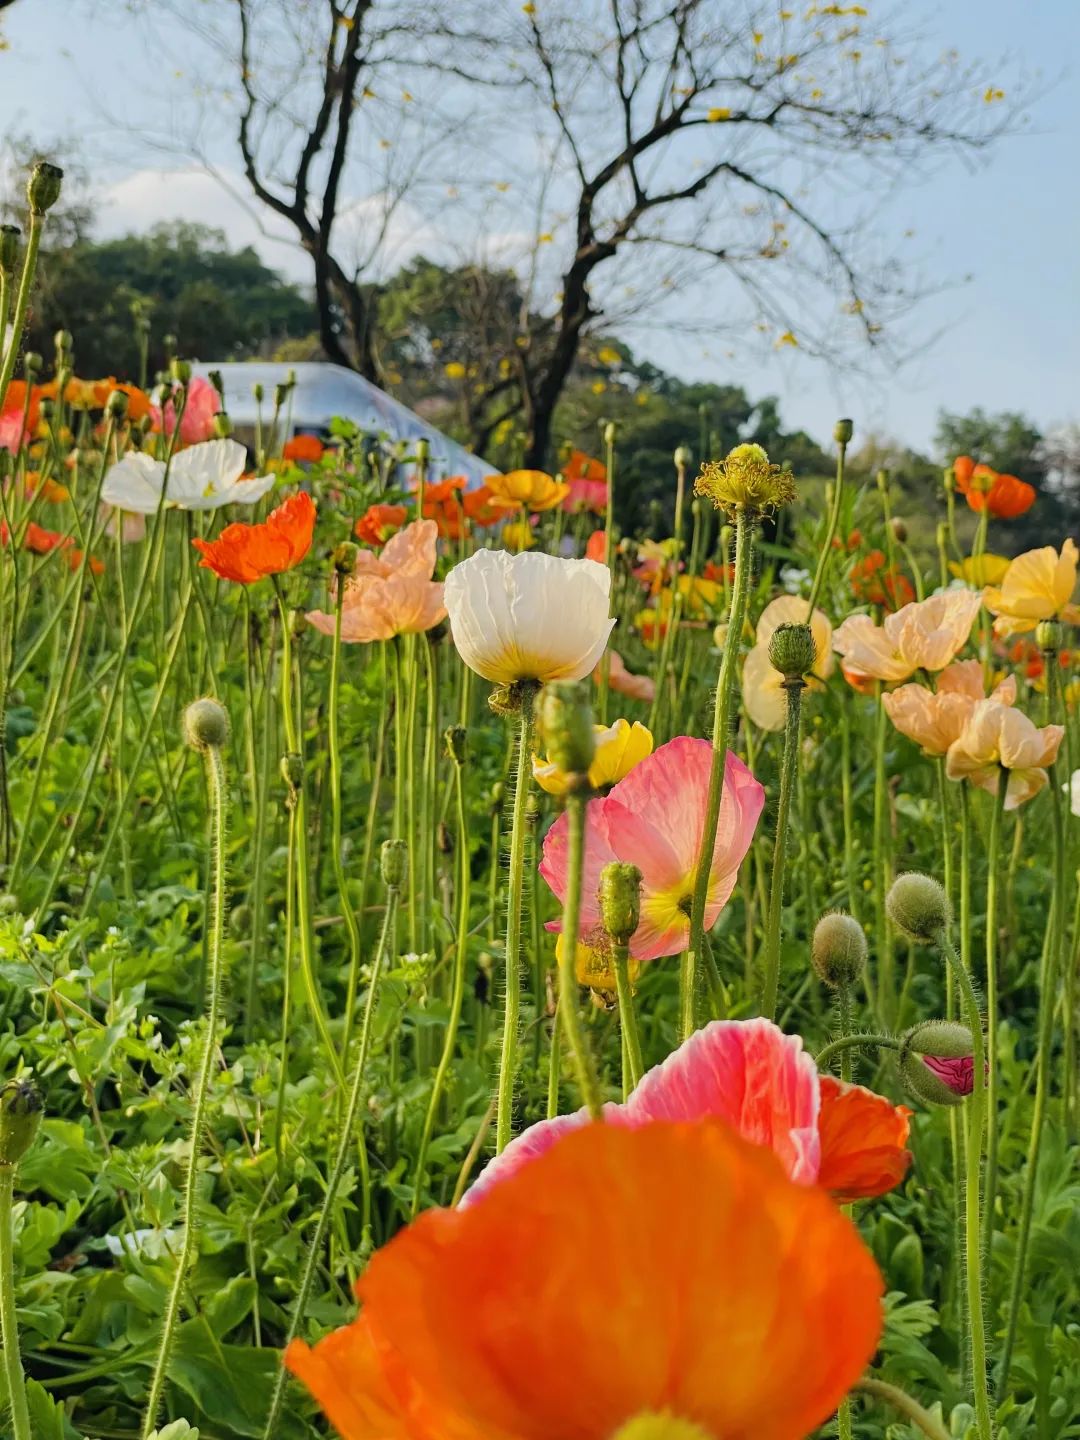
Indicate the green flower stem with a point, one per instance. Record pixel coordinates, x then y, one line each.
298 802
609 557
352 925
848 806
9 1329
886 976
627 1017
722 715
215 779
345 1145
993 846
1050 970
22 301
515 887
860 1040
576 802
457 989
902 1402
830 531
554 1064
789 770
973 1262
260 759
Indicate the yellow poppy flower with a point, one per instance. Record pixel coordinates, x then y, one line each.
1038 585
619 748
534 489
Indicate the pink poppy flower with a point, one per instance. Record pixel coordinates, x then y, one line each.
957 1073
390 593
620 680
197 421
12 432
654 819
761 1082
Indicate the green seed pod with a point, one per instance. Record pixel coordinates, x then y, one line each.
223 426
1049 636
423 451
9 247
566 724
394 863
792 651
620 900
20 1116
116 407
882 478
918 905
455 739
206 724
838 950
43 187
843 431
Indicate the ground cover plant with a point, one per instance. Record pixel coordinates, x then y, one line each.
471 972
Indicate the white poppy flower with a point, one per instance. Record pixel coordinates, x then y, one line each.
528 616
202 477
1073 788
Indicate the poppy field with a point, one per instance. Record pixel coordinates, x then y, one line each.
471 971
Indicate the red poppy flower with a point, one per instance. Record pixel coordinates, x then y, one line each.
874 583
303 447
983 488
246 553
863 1141
379 522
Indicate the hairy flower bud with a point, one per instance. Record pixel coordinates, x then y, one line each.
63 341
292 769
344 557
223 426
20 1115
257 393
937 1062
116 407
423 451
792 651
682 457
33 364
918 905
206 724
1049 636
9 247
838 950
394 863
281 395
566 725
610 431
43 187
843 431
455 739
620 900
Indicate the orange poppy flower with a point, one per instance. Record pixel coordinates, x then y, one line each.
873 583
596 547
379 522
51 492
42 541
246 553
444 504
303 447
483 508
584 467
75 558
716 573
983 488
15 401
863 1141
504 1321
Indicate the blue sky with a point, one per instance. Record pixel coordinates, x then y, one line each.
1008 338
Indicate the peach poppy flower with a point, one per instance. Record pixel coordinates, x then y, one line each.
497 1322
308 448
1004 496
935 719
246 553
622 682
762 1083
379 522
925 635
654 819
534 489
762 686
391 593
998 738
197 421
1038 585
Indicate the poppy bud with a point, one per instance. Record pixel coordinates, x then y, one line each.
948 481
9 247
292 770
899 530
344 557
609 433
214 376
1049 636
843 431
63 340
423 452
918 905
281 394
20 1115
116 407
169 343
206 724
394 863
180 370
455 743
32 362
682 457
620 900
792 652
43 187
838 949
46 409
223 426
882 478
567 726
240 921
937 1063
257 393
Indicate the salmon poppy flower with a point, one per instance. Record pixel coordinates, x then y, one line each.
934 719
392 593
307 448
502 1322
622 682
874 583
999 739
926 635
654 819
246 553
762 1083
1038 585
379 522
1004 496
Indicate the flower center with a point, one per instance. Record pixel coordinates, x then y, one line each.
660 1427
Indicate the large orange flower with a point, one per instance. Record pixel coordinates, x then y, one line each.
983 488
627 1283
246 553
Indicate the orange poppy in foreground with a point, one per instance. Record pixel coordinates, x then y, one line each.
247 553
669 1280
984 488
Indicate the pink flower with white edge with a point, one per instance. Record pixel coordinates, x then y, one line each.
654 819
762 1083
